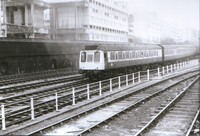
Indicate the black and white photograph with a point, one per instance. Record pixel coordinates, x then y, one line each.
100 67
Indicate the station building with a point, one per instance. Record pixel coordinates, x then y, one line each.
89 20
22 18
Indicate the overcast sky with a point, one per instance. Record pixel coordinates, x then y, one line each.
184 13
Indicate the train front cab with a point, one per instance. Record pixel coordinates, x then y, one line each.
91 62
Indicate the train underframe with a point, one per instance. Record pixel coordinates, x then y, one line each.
109 73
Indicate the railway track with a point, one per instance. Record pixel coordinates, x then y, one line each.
37 84
21 78
19 88
44 101
80 125
18 109
91 109
177 116
194 127
17 106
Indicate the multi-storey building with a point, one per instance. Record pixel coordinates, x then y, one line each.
90 20
22 18
2 15
146 28
131 28
172 33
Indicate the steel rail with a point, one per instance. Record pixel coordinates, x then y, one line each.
3 100
33 76
19 88
192 124
148 125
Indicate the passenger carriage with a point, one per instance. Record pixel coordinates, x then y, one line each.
98 58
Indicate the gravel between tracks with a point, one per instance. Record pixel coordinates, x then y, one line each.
127 124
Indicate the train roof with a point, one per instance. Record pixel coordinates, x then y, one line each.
122 47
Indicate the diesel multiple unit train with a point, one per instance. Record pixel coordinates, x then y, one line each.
99 59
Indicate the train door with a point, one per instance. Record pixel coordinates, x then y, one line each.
105 59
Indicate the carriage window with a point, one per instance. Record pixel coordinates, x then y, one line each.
97 57
120 55
157 53
150 53
130 54
89 58
145 53
83 57
167 51
141 53
127 55
154 53
112 55
116 56
136 54
124 57
133 54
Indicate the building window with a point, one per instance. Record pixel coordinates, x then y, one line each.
106 14
85 26
95 11
91 26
